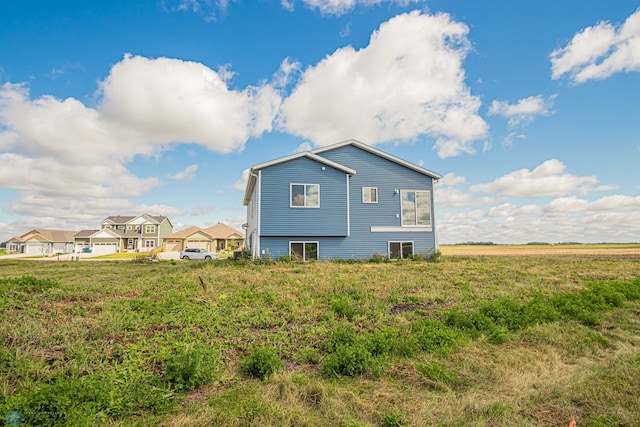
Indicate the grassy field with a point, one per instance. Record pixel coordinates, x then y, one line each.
630 250
469 340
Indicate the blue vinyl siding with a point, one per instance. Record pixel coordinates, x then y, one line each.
387 176
348 247
278 218
327 225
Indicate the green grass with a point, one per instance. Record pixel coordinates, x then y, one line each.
123 255
465 341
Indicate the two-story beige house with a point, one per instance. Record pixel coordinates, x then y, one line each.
125 233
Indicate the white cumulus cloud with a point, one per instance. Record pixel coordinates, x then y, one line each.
523 111
184 175
599 51
547 180
164 100
409 81
340 7
58 153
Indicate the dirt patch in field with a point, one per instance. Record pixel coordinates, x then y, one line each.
402 308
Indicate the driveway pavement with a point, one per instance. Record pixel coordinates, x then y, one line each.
62 257
169 255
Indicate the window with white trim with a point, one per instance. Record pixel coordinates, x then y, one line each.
305 195
149 228
416 208
369 195
400 250
149 243
305 251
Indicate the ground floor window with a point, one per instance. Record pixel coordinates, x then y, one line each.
400 250
149 243
303 250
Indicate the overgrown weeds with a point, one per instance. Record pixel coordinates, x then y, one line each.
478 341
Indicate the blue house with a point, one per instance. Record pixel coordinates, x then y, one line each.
347 200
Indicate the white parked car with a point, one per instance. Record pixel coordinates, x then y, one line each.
197 253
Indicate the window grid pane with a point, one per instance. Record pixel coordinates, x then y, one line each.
297 250
369 195
310 251
407 249
305 195
394 250
423 208
416 208
313 195
297 195
408 208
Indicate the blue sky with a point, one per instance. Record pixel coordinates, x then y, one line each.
530 109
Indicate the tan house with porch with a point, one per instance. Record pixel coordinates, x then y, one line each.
215 238
41 241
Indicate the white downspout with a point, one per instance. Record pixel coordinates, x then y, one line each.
433 216
348 209
255 247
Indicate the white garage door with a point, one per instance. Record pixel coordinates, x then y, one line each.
104 248
34 249
174 245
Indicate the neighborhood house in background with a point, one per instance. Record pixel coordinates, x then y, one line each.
216 238
141 233
347 200
119 233
42 241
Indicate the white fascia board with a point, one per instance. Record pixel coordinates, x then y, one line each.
309 155
251 184
111 233
141 219
379 153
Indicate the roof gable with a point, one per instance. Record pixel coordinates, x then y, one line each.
309 155
117 219
46 235
251 182
105 233
142 219
223 231
380 153
84 234
188 232
135 219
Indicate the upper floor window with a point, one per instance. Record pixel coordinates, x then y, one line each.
149 228
416 208
305 195
369 195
